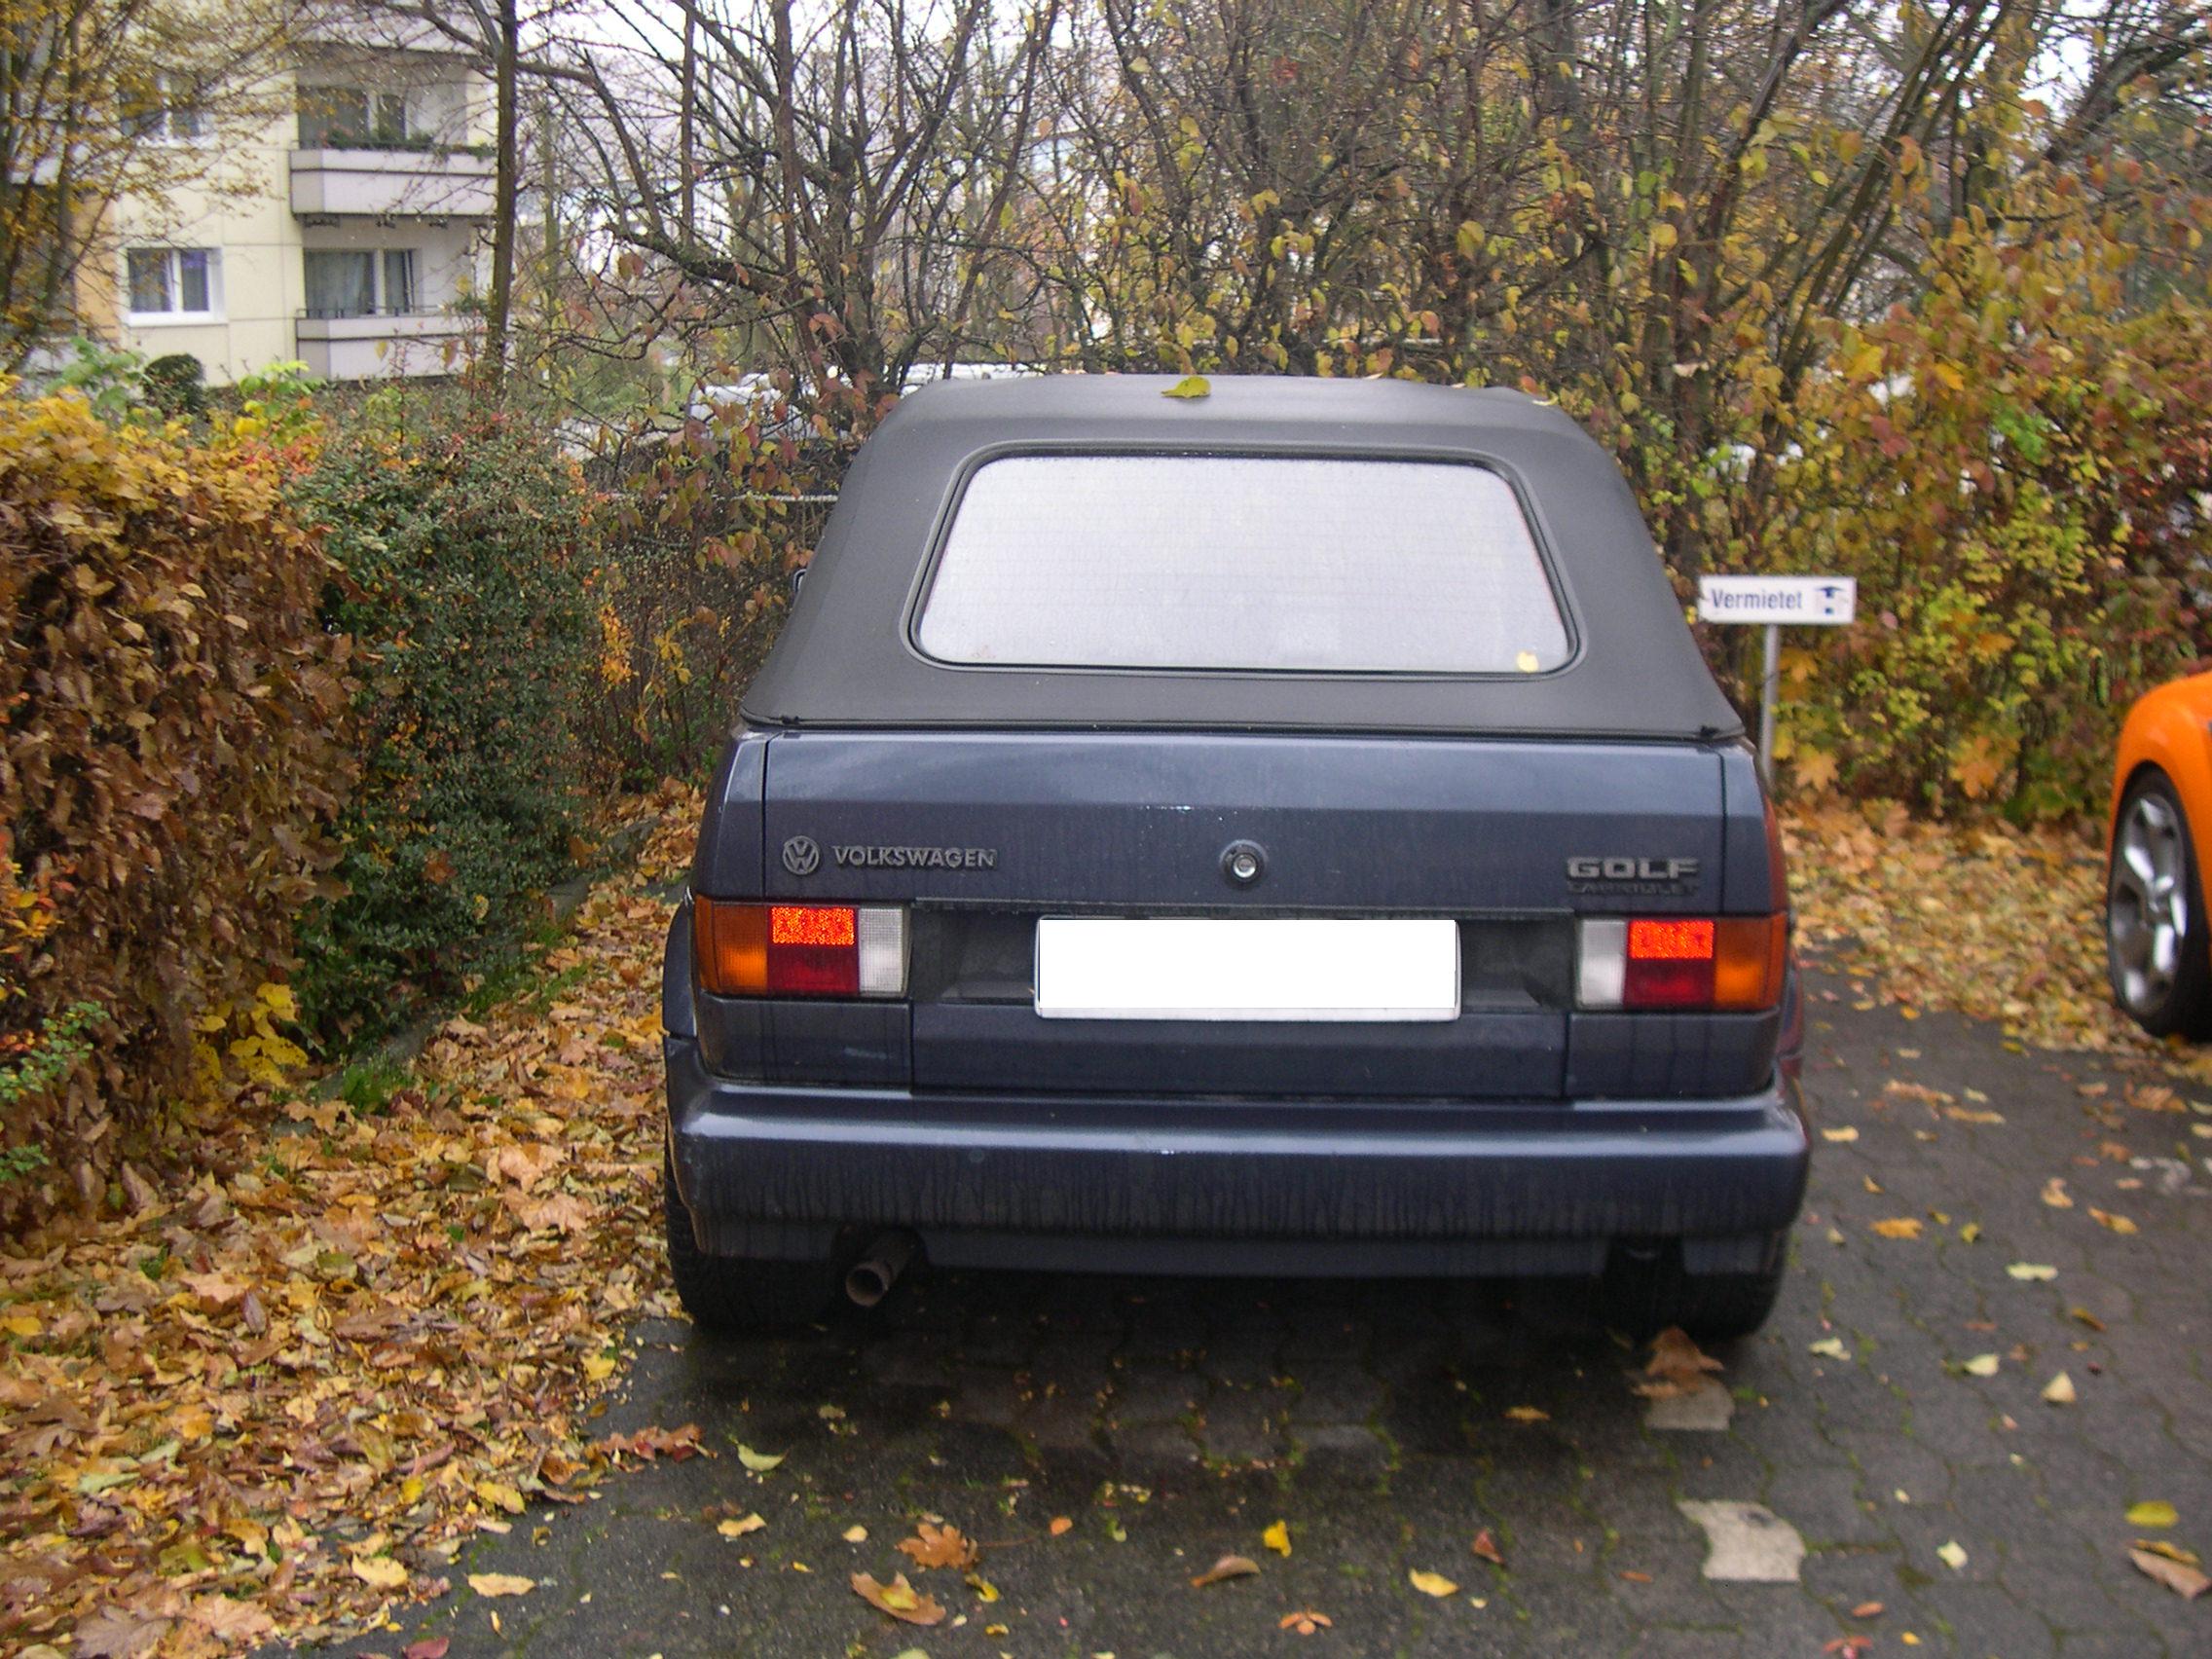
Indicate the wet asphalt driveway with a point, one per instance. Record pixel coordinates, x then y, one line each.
1171 1422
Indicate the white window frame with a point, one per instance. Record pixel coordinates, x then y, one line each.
377 102
177 97
380 280
136 319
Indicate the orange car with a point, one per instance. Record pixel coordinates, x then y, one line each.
2161 837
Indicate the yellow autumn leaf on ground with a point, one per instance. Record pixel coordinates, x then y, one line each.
760 1463
1528 1414
1898 1227
2183 1579
1226 1567
2119 1224
501 1584
2153 1512
2059 1390
2055 1195
1431 1583
900 1598
1952 1555
1277 1538
855 1535
1190 386
1981 1365
1060 1526
500 1496
382 1571
939 1546
1843 1136
738 1527
2032 1271
2170 1550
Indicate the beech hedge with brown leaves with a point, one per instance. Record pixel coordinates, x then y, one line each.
173 743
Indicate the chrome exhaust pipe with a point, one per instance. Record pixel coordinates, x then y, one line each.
870 1279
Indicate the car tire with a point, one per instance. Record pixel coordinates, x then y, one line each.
1641 1298
2155 928
740 1292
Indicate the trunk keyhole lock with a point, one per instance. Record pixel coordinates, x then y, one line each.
1243 863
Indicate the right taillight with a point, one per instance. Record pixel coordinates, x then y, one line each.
1682 962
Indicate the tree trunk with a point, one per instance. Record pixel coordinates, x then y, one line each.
505 182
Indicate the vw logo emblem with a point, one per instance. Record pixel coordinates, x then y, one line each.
802 857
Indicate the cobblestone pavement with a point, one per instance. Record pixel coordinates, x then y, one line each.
1173 1422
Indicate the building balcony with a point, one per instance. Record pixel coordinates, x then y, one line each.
397 183
381 345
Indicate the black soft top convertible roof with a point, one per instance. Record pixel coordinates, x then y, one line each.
847 658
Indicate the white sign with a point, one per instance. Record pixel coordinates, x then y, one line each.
1792 601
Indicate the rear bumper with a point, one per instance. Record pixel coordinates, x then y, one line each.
1276 1187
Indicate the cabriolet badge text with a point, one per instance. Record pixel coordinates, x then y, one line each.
1630 875
806 857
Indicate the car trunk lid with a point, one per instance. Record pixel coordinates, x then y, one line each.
984 835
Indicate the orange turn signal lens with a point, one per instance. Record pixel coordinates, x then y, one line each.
730 943
1749 956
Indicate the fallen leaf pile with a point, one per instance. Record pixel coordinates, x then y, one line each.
1984 919
1677 1366
257 1406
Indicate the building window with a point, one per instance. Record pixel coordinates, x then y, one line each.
398 279
341 118
170 111
359 281
170 282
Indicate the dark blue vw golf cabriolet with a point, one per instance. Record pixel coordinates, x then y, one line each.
1288 831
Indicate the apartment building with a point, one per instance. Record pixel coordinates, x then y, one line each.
343 232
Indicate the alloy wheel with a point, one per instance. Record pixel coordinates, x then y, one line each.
2148 915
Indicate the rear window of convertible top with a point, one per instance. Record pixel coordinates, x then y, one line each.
1289 564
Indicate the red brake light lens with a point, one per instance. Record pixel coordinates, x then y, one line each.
1670 939
1669 963
813 951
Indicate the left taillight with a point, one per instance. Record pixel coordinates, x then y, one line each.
1682 962
800 950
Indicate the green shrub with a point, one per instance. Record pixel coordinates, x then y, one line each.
112 379
461 540
2017 473
176 384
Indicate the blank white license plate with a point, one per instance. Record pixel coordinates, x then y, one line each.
1247 968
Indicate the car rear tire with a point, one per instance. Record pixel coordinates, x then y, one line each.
740 1292
1642 1297
2154 923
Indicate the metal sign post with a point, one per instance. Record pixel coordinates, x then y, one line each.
1775 603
